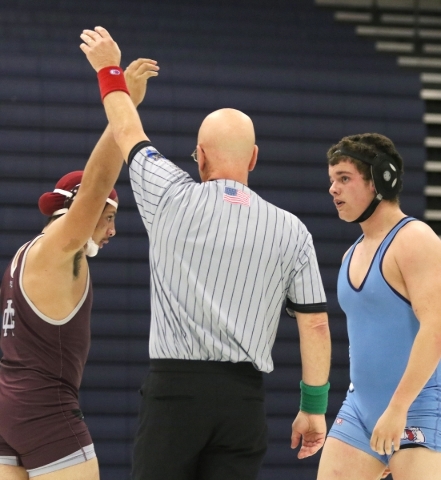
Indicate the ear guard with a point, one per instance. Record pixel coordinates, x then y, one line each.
385 173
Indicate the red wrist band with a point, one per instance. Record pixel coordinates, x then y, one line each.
111 79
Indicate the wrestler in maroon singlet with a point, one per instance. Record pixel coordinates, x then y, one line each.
40 374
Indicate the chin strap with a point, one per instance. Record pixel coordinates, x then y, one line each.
369 210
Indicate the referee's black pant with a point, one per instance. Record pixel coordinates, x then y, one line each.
200 421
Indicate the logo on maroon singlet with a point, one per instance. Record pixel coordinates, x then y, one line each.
413 434
8 318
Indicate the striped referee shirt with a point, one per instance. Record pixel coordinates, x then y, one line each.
222 263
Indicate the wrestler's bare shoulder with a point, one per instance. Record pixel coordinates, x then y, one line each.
417 252
416 234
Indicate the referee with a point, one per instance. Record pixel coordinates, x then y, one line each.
223 262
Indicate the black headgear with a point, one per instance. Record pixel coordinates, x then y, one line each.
386 177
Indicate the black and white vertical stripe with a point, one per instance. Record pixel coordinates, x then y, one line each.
220 272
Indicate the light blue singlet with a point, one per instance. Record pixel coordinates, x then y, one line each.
381 329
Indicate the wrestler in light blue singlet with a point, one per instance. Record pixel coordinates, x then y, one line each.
381 328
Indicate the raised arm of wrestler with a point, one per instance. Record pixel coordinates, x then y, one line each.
57 260
102 51
55 281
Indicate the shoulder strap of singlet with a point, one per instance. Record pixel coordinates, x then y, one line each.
386 241
24 247
391 235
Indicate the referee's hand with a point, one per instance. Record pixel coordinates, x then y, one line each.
100 48
311 431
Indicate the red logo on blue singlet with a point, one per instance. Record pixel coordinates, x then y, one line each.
339 421
413 434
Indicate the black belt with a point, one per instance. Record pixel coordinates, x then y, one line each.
203 366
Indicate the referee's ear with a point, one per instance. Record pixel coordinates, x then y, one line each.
253 160
200 157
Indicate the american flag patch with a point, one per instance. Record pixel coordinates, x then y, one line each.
233 195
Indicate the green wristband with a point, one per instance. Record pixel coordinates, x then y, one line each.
313 399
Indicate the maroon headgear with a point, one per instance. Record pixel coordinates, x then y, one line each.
59 201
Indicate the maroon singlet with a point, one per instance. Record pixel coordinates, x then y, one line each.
40 374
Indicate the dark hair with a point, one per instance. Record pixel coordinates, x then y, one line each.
367 145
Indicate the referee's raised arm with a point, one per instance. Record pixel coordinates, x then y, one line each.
104 56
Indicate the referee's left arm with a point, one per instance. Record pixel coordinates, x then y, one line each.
309 427
315 347
306 301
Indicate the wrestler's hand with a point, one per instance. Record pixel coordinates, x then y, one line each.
387 433
136 75
311 429
100 49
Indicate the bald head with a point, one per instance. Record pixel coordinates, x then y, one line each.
226 138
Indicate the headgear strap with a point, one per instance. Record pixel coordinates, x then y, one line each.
385 177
